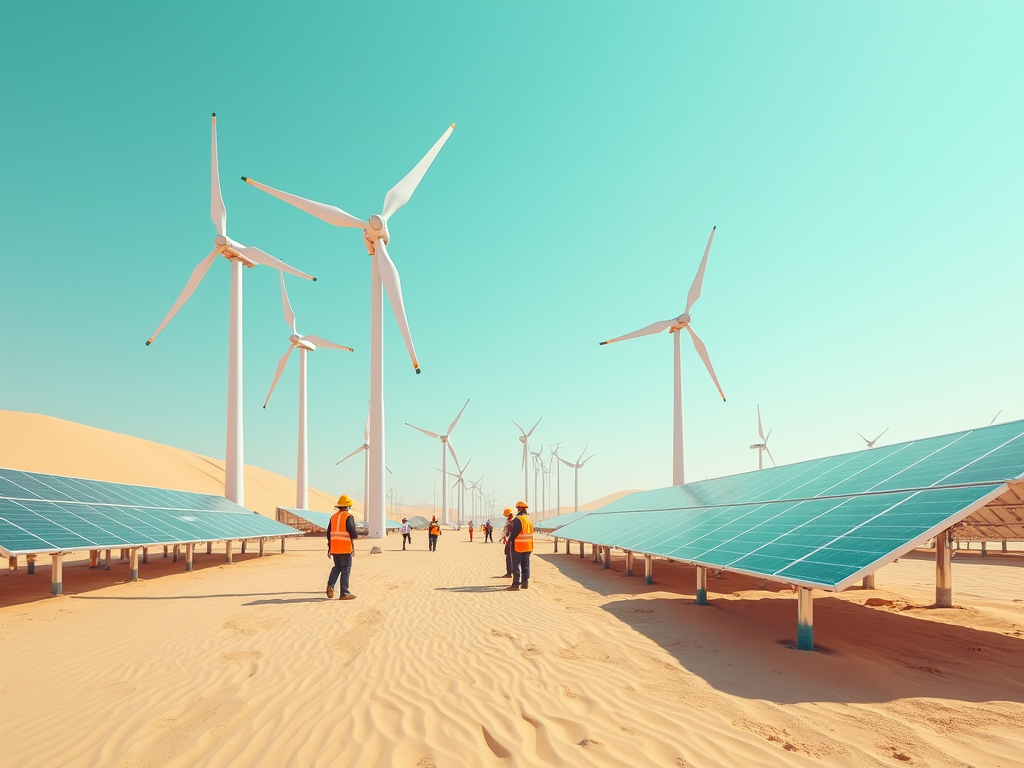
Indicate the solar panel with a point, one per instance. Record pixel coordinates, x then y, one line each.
42 513
820 523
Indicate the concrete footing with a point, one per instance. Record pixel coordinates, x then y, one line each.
868 582
702 585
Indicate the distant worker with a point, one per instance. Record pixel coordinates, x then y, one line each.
488 532
406 530
470 531
522 547
433 532
341 532
508 545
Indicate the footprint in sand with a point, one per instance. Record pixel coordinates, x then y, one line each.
246 659
531 650
352 642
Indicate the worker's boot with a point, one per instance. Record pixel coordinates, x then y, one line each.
347 596
330 592
513 588
526 585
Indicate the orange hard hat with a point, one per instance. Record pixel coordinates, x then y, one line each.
507 512
344 501
522 505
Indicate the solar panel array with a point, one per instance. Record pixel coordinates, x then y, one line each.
42 513
819 523
323 519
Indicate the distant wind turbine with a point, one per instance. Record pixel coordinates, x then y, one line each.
577 466
995 417
675 326
524 438
871 443
762 447
304 344
240 256
446 447
366 464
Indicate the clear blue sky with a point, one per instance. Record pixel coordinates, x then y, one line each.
863 162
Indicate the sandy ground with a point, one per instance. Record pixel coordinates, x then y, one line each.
434 665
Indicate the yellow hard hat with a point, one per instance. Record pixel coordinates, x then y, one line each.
522 504
344 501
508 512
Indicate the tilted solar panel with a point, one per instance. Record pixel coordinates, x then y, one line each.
819 523
48 513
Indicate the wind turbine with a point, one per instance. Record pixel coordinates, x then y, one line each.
446 447
239 256
577 466
538 466
558 478
366 464
871 443
995 417
304 344
675 326
525 440
383 275
763 445
460 483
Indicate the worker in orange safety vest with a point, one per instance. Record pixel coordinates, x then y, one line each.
521 539
341 532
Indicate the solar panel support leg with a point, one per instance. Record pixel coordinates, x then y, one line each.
107 560
227 550
31 561
648 569
188 556
177 550
582 547
944 570
869 582
57 575
209 547
805 619
607 557
94 558
12 563
1004 545
261 547
984 549
629 563
133 563
595 556
282 545
145 555
165 550
556 545
243 546
702 585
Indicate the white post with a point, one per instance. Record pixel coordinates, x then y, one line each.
57 574
868 582
374 500
943 570
189 550
576 496
133 563
234 460
444 482
760 459
227 551
261 547
677 413
302 472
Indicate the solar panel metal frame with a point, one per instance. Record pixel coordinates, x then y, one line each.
28 490
987 490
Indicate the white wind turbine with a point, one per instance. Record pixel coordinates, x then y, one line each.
383 275
304 344
460 483
558 477
524 438
762 447
366 464
675 326
446 447
871 443
239 256
576 467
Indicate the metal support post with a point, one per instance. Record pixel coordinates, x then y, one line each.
702 585
805 619
868 582
984 549
107 559
31 560
176 549
57 574
165 551
243 546
629 563
227 550
556 545
282 545
133 563
12 563
943 570
94 558
607 557
1004 545
209 547
188 556
261 547
582 547
648 569
145 555
594 553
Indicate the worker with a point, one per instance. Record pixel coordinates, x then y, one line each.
470 531
508 544
521 539
488 532
433 532
406 530
341 532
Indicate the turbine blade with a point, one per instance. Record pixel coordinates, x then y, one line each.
451 427
393 286
770 456
424 431
647 330
320 341
863 438
582 452
264 258
760 431
525 449
289 314
280 369
328 213
995 417
366 428
399 194
587 459
218 212
880 436
451 450
698 280
533 427
518 427
358 450
193 281
703 352
766 438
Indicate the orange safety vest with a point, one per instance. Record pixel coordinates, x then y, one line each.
524 541
435 529
341 541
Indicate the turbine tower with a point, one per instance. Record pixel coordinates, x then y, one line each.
239 256
304 344
524 438
383 277
871 443
675 326
446 447
762 447
366 463
577 466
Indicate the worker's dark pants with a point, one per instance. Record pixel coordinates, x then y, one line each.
488 537
520 567
406 537
342 567
433 542
508 557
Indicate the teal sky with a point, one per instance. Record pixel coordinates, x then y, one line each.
863 163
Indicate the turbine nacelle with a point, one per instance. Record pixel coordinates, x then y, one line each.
681 322
378 229
302 343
